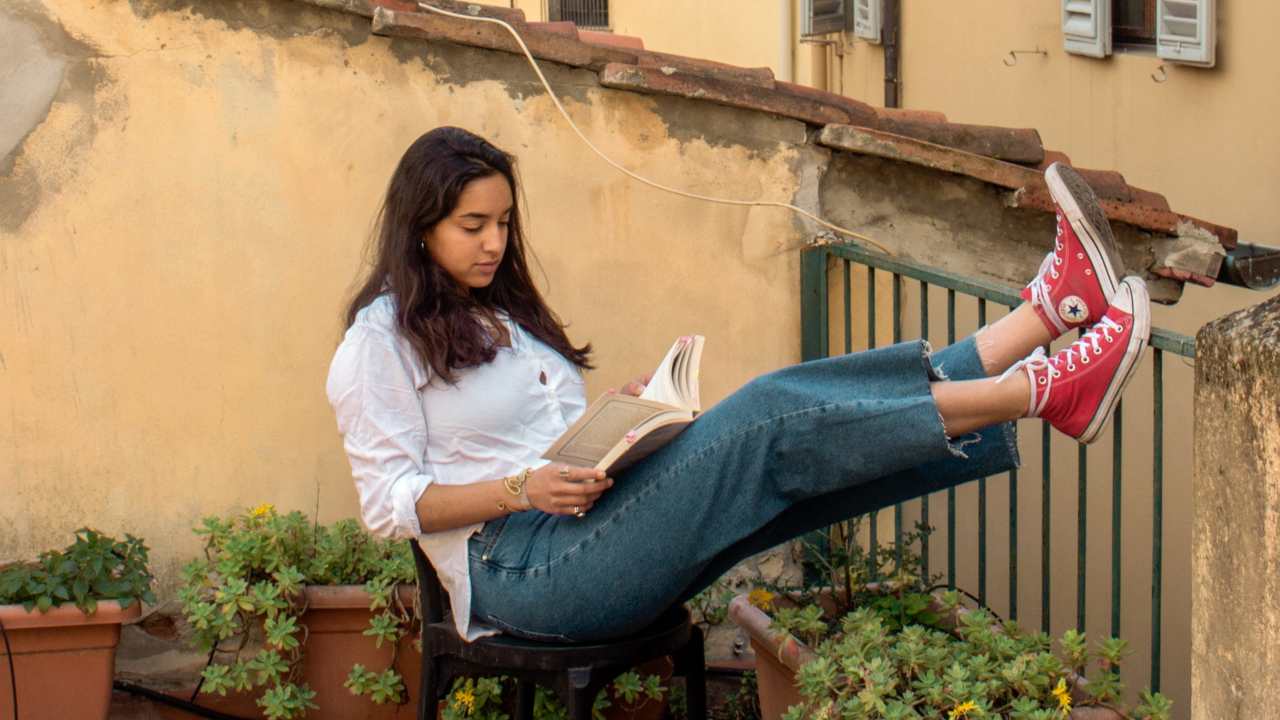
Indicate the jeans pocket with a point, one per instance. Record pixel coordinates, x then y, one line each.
480 546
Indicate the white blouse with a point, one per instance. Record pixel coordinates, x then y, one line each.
404 430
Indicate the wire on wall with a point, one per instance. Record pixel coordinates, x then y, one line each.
629 173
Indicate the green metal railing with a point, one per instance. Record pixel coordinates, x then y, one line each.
816 277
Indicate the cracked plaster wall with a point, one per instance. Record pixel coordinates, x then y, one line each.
186 206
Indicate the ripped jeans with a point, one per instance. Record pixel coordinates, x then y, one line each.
790 452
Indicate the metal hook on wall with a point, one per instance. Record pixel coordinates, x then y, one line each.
1160 76
1012 59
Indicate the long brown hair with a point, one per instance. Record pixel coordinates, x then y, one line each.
443 324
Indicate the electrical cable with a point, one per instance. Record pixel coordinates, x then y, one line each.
13 679
162 698
629 173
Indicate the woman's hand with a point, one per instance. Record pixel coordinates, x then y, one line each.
637 386
560 489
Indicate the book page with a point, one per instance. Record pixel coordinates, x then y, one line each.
601 427
675 382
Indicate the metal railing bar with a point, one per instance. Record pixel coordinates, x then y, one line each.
874 531
1161 339
1117 472
897 338
1046 523
1157 514
1013 544
1082 536
848 310
1013 533
982 498
951 492
924 501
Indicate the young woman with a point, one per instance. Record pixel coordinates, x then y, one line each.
454 376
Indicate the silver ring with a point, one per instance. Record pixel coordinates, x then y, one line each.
564 471
577 512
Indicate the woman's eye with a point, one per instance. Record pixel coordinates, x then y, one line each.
474 230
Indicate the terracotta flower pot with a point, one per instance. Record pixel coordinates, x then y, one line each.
336 618
779 656
63 660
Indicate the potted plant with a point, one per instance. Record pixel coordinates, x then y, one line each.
303 619
638 694
61 617
894 650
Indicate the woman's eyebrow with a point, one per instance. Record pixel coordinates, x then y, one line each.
482 216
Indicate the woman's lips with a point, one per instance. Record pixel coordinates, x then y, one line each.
487 267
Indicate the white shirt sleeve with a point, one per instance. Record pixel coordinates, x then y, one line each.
373 393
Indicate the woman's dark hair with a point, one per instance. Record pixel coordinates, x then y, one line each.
445 324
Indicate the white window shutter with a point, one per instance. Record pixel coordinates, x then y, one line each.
1185 31
1086 27
822 17
867 19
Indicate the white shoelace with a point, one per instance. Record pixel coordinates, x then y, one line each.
1078 350
1040 289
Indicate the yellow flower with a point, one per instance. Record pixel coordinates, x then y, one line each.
1064 697
962 710
761 598
466 697
263 509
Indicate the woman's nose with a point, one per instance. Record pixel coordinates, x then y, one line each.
495 239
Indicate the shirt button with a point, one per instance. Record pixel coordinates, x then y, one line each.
542 377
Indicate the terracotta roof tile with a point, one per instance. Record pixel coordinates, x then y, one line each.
545 44
1012 144
859 112
670 81
1108 184
563 27
1149 198
626 42
759 77
911 115
1011 158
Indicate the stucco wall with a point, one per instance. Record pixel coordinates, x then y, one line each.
180 226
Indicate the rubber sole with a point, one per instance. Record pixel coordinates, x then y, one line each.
1080 205
1138 339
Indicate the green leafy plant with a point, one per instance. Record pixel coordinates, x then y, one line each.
886 647
244 601
491 698
94 567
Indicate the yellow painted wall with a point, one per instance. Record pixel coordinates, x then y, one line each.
755 33
172 303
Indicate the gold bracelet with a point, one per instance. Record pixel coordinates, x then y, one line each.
515 485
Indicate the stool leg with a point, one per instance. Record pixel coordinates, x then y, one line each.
581 694
427 696
695 677
525 692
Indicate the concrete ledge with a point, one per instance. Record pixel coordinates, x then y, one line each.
1235 563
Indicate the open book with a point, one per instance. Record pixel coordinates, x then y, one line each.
618 430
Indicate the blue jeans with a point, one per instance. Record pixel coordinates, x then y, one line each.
790 452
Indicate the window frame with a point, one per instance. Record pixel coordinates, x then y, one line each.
556 12
1133 36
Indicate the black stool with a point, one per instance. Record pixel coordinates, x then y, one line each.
575 672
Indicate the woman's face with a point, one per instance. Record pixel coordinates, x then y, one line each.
469 243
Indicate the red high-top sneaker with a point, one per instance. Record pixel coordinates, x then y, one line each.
1077 389
1078 279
